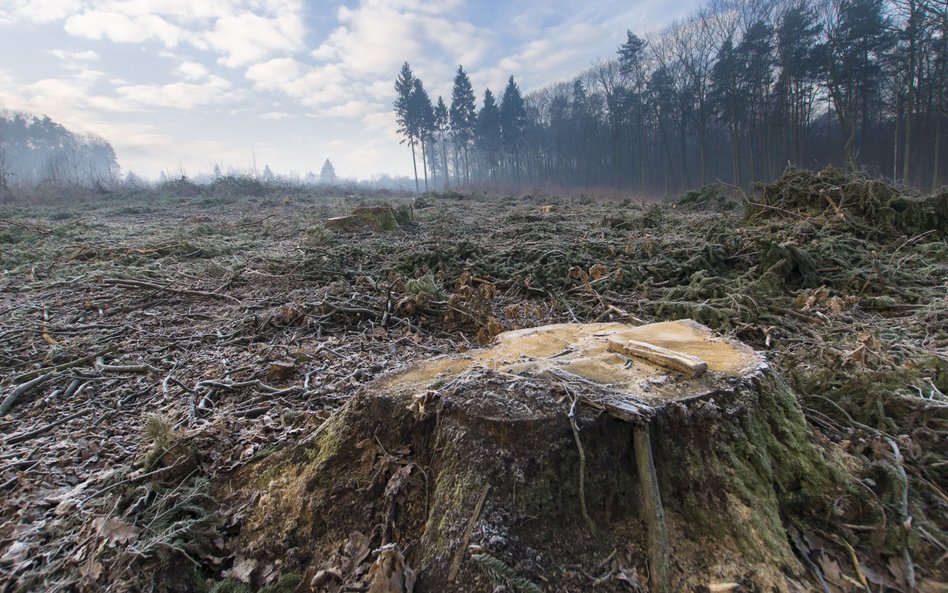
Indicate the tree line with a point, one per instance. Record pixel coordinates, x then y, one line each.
734 93
37 150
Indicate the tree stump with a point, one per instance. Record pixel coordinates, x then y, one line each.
587 457
375 218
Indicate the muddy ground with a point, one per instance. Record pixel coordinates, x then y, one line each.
153 345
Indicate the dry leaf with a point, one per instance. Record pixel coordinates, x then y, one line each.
242 570
115 530
390 574
16 553
598 271
398 479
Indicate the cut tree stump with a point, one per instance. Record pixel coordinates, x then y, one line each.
376 218
688 476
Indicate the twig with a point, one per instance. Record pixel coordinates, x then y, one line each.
582 461
906 517
466 540
127 368
654 512
63 366
128 283
26 436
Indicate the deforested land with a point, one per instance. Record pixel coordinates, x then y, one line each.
208 390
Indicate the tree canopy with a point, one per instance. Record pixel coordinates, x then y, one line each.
733 93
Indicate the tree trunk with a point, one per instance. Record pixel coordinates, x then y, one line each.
444 159
424 162
414 164
684 458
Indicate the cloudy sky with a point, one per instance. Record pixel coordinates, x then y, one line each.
179 85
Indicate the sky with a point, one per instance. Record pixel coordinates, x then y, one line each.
181 85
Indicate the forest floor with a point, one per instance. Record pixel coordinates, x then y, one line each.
154 335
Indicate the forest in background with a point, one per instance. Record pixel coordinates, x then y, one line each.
734 93
36 150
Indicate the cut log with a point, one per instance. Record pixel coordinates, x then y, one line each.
687 477
690 366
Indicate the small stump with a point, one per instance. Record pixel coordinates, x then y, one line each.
376 218
560 454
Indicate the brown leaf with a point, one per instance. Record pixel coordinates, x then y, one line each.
242 570
598 271
17 552
356 549
115 530
390 574
398 479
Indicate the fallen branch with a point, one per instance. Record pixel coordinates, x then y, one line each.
466 540
128 283
66 365
26 436
15 394
690 366
127 368
582 462
654 512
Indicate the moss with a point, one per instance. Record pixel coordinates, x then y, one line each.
287 583
229 585
317 453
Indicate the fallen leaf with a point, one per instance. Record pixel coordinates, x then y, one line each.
115 530
16 553
242 570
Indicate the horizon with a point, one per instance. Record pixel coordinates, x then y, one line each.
180 89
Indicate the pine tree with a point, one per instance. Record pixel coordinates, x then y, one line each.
442 122
798 35
488 133
404 87
327 174
463 116
513 123
421 113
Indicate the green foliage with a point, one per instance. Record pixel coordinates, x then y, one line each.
423 285
317 235
502 574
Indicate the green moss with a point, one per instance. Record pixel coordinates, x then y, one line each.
319 452
287 583
229 586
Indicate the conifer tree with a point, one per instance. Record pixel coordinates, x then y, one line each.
489 133
327 174
441 122
404 87
513 123
421 114
463 117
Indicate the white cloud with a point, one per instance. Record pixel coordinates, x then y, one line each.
240 31
177 95
192 70
274 74
41 11
122 27
74 56
247 37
